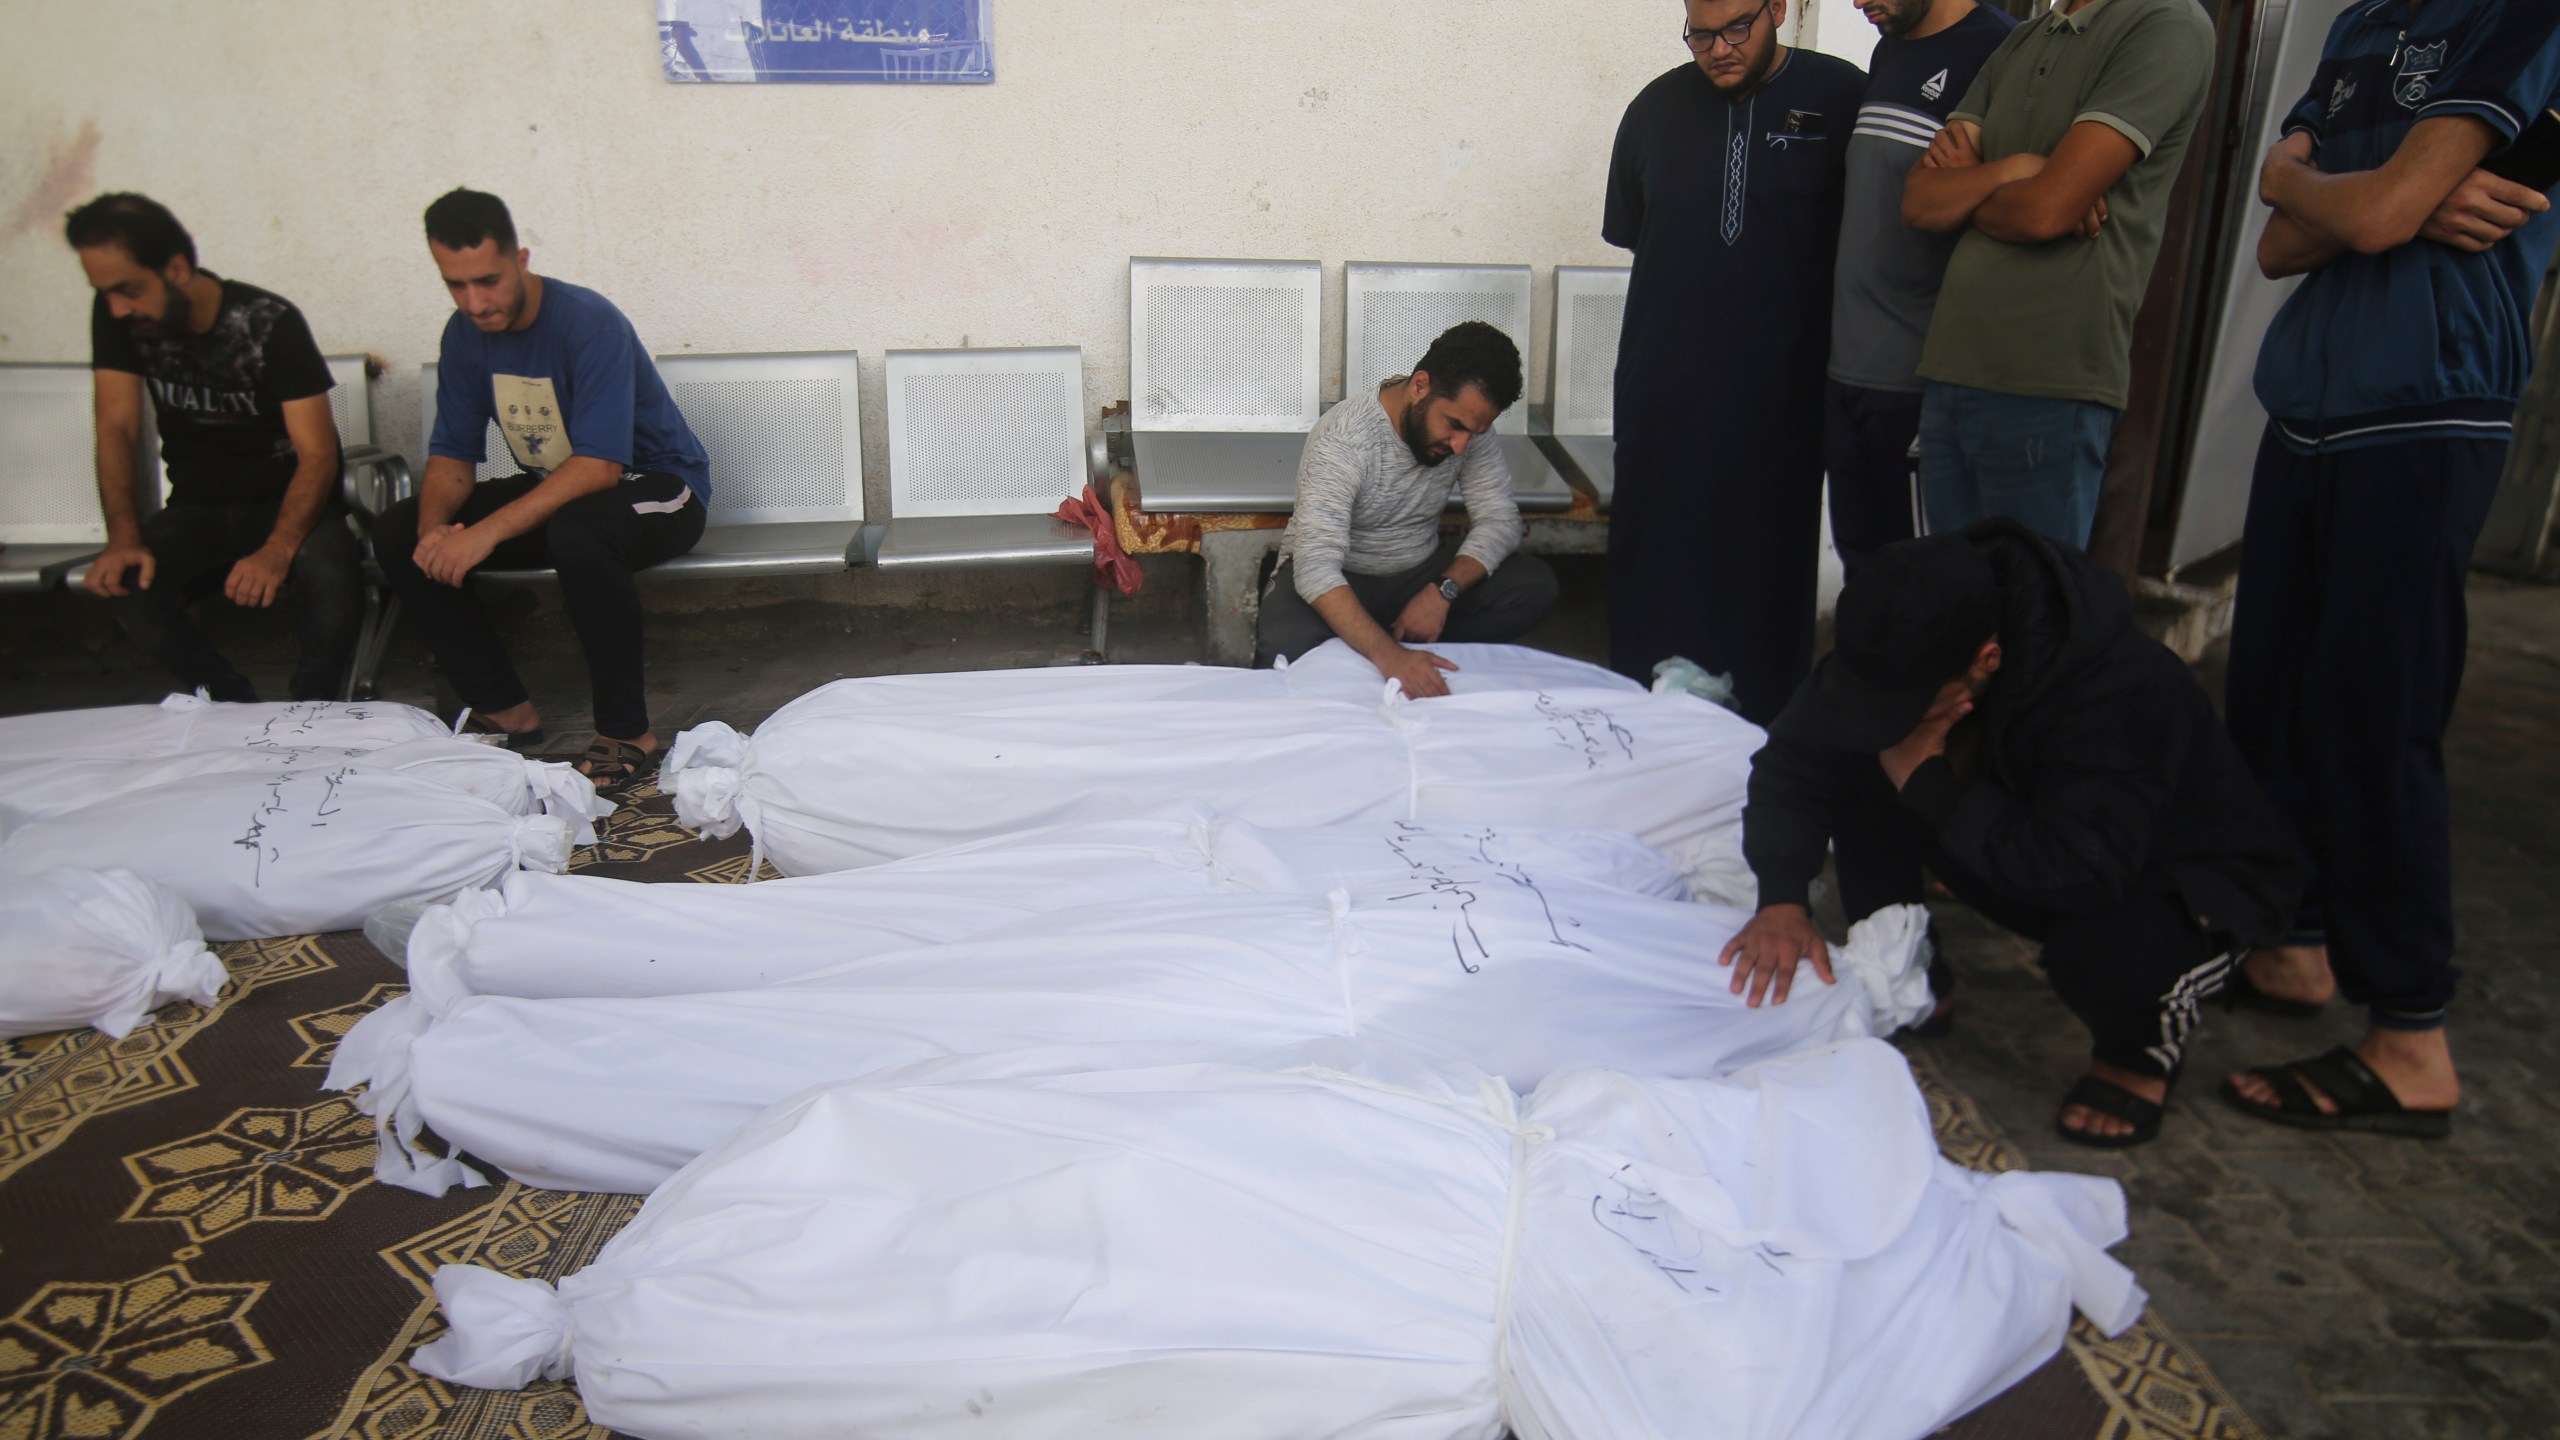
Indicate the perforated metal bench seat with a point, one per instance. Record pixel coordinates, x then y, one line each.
982 541
729 552
1225 474
784 433
29 568
1591 304
50 525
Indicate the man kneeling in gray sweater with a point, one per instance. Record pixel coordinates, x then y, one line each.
1363 557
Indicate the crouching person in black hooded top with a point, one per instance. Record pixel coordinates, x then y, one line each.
1992 714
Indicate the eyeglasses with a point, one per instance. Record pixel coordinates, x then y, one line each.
1704 41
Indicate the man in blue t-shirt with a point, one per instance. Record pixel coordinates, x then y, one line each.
1886 281
612 481
2389 378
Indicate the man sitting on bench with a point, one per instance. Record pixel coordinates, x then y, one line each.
1363 557
613 482
242 399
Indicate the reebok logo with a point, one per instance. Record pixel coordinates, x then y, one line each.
1935 86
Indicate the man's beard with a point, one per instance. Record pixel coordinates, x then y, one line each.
175 311
1903 16
1416 434
1754 70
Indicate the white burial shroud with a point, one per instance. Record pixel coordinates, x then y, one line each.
307 850
1474 964
1374 1248
583 936
514 783
96 947
864 771
191 722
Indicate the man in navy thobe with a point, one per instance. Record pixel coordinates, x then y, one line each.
1726 183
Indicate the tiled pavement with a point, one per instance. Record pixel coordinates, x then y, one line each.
2340 1287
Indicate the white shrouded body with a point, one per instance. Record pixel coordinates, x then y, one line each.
570 936
306 850
864 771
96 947
1361 1245
188 722
1491 966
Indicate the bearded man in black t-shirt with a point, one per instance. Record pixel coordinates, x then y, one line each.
242 399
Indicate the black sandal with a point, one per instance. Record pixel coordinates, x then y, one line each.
2240 992
475 723
616 765
2364 1102
2108 1098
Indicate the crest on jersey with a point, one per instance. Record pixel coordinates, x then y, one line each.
1935 86
2417 72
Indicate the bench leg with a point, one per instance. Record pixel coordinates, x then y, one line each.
1231 584
1100 644
381 617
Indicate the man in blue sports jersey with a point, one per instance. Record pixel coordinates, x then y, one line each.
1886 280
2389 379
611 481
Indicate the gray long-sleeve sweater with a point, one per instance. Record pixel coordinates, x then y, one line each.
1367 507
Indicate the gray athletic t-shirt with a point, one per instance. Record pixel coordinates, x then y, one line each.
1885 282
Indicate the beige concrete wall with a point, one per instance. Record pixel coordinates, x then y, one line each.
299 139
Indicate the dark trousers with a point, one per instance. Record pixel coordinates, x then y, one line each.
193 547
1504 605
596 542
1867 440
1715 537
2134 973
2347 645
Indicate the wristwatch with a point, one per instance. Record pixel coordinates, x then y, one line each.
1449 589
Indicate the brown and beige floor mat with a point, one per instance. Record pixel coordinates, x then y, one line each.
191 1242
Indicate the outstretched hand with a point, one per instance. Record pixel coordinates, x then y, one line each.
1764 954
1418 671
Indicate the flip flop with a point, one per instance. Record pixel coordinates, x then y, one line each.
519 741
2363 1101
617 765
2108 1098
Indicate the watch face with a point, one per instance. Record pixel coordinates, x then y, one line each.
1448 589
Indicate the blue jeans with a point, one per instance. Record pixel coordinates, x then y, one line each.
2034 459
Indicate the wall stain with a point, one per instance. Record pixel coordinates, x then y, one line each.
69 175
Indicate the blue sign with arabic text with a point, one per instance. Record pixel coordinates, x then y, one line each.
898 42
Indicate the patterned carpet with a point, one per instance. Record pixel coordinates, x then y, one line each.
191 1242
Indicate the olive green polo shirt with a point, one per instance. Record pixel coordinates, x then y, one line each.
2056 319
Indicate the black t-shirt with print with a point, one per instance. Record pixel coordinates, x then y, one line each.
220 395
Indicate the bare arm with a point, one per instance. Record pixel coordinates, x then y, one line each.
256 578
2067 195
2370 211
1418 670
116 402
1951 181
449 552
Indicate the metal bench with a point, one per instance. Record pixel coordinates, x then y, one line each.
1225 379
983 446
1392 313
784 435
1579 429
50 526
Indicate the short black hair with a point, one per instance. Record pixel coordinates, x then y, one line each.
1474 353
462 218
141 225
